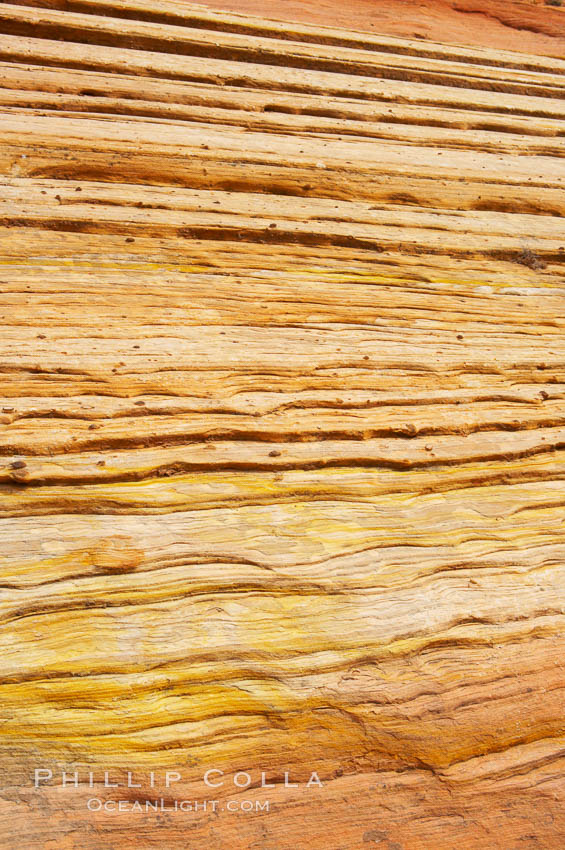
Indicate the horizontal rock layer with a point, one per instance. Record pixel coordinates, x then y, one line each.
282 432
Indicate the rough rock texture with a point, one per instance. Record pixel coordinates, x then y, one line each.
282 424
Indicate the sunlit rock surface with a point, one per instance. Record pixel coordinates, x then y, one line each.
282 425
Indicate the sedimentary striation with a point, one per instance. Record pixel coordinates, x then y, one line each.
528 26
282 425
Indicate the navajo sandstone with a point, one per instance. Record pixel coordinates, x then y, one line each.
282 425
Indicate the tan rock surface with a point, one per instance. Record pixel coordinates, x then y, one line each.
282 434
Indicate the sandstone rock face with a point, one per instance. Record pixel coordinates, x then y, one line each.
528 26
282 425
